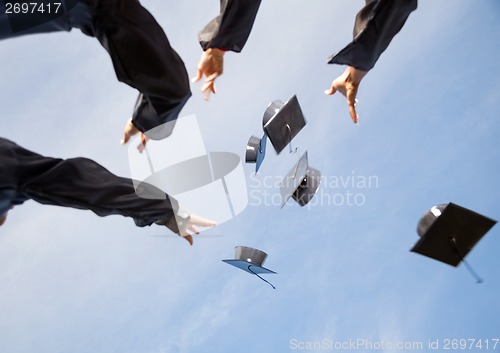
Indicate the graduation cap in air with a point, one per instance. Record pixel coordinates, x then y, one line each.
281 123
448 232
256 151
301 183
250 260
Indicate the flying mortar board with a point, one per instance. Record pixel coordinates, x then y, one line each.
301 183
448 232
256 151
249 259
282 122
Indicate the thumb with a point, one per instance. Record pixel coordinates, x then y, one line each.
125 139
330 91
198 76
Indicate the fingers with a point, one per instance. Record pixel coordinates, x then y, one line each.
209 86
212 77
351 102
352 112
207 89
201 222
342 89
129 131
348 90
189 238
125 139
330 91
195 221
142 145
211 66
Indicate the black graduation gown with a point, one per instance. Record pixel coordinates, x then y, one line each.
78 183
376 24
231 29
139 49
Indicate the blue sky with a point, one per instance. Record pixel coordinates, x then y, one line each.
73 282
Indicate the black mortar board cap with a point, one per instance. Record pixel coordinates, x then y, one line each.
301 183
249 259
282 122
448 232
256 151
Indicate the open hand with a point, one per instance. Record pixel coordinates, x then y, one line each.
129 131
347 84
211 66
191 225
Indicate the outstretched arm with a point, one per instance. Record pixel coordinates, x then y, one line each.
143 58
347 84
211 66
228 31
139 49
375 27
84 184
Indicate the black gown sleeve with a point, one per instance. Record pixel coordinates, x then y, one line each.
376 24
231 28
143 59
79 183
139 49
39 17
